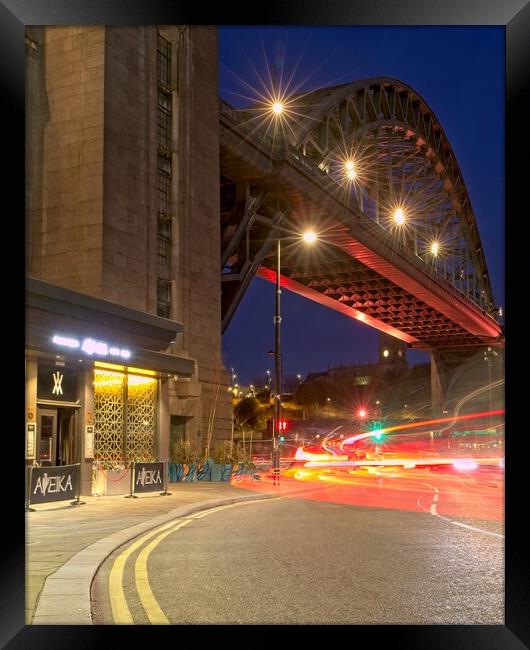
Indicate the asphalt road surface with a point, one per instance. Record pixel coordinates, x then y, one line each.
314 558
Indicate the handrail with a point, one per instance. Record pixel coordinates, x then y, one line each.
281 150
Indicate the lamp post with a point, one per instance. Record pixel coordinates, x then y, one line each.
277 370
309 237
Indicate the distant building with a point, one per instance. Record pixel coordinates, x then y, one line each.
392 360
346 385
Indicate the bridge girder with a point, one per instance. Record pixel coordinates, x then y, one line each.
385 125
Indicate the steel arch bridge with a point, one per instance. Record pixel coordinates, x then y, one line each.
279 176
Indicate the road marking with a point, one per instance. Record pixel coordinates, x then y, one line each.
120 610
451 521
480 530
121 613
149 602
434 501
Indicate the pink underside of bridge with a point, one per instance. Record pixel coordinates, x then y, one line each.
468 317
316 296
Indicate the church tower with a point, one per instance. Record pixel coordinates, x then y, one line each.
392 351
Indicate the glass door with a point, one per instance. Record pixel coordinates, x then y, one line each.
47 436
66 437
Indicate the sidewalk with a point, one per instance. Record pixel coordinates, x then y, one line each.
66 544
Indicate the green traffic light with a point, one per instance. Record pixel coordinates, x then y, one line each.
377 434
282 439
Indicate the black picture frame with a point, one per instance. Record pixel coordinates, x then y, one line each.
515 16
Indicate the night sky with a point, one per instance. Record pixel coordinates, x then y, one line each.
459 72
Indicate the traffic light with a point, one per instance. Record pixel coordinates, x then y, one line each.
377 431
362 413
282 438
282 425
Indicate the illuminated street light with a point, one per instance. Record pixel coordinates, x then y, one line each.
277 108
435 248
386 353
350 170
399 216
309 236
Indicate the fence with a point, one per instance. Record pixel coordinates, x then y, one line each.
46 484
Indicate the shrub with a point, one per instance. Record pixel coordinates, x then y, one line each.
232 453
223 453
181 452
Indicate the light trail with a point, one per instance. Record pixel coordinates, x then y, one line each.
403 462
425 423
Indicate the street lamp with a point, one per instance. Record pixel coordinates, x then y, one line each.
309 237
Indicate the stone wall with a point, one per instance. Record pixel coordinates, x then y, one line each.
130 160
92 192
198 299
65 157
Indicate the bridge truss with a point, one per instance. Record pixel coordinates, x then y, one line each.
281 175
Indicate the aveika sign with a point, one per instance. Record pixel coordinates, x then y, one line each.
53 483
148 477
91 347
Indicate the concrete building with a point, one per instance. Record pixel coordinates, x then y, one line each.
122 205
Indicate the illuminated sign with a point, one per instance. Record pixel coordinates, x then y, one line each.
91 346
57 386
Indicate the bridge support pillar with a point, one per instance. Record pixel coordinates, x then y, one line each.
439 381
458 372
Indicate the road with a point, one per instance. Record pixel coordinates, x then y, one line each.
393 547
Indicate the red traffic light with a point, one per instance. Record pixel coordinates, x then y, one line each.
282 425
362 413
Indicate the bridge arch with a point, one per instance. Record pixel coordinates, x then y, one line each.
395 135
387 276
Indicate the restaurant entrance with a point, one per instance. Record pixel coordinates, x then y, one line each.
56 435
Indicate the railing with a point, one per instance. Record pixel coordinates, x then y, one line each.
281 150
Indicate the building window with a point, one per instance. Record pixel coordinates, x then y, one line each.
163 258
164 227
164 62
164 100
164 131
124 417
163 303
164 116
164 190
362 381
164 165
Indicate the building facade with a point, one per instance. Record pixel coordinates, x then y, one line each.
122 205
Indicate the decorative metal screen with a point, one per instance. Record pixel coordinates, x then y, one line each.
141 418
109 407
124 417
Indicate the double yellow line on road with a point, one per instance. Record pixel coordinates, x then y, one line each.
120 610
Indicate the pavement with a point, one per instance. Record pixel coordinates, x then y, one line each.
65 544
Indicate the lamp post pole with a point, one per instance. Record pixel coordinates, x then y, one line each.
277 372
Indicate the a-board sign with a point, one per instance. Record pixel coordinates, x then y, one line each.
148 477
53 483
